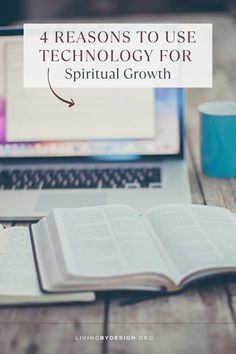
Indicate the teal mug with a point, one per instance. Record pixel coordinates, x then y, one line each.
218 138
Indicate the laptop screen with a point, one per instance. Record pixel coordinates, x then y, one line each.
103 122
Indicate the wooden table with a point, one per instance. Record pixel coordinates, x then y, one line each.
200 320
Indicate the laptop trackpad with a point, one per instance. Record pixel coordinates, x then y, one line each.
47 202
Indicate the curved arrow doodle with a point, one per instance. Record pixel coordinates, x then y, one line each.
70 102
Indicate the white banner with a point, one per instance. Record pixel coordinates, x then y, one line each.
117 55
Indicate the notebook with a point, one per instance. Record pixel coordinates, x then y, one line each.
18 277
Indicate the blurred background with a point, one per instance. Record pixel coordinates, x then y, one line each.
13 11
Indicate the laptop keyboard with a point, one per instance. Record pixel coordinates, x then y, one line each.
80 178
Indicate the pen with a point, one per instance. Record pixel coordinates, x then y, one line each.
140 298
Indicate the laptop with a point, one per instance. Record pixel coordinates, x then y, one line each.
122 146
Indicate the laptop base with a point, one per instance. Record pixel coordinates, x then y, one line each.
20 205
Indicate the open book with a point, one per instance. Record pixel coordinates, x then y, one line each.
114 247
18 277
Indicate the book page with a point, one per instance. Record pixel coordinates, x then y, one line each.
107 241
196 237
97 114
